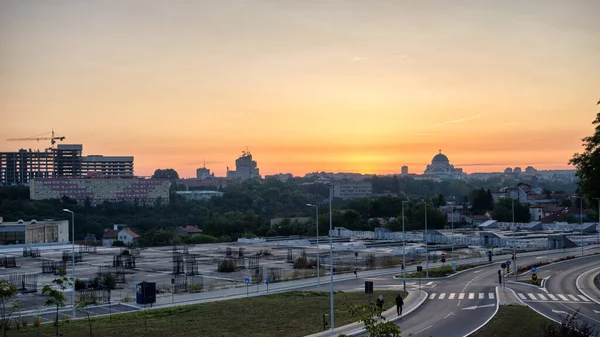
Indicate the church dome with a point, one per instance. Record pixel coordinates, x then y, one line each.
440 159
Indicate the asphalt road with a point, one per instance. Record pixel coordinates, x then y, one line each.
560 295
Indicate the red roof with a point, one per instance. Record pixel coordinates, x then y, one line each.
192 229
110 234
132 233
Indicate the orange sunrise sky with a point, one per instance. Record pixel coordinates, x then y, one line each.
354 86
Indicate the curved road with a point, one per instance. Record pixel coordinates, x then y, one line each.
560 295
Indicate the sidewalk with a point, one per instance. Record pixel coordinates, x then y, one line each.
507 296
411 303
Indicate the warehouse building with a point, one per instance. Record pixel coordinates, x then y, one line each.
33 231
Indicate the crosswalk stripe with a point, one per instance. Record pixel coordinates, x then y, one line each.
553 297
562 297
542 297
491 296
522 296
471 296
481 296
584 298
461 296
432 296
573 298
532 296
442 296
451 296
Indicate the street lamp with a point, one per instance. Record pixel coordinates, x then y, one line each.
598 224
581 219
318 262
72 256
426 248
403 248
452 222
514 228
331 251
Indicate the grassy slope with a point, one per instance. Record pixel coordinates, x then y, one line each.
285 314
514 321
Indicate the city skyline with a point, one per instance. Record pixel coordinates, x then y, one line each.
342 87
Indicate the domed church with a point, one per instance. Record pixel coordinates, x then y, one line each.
440 167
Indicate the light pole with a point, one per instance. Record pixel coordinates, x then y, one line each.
318 262
598 224
514 239
72 256
426 248
452 222
580 219
403 249
331 252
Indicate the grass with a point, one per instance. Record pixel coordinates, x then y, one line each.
284 314
440 271
514 321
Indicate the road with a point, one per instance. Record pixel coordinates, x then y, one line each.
560 295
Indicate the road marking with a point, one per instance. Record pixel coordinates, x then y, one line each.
542 297
461 296
573 298
522 296
553 297
480 306
584 298
491 296
596 311
471 296
450 314
532 296
477 271
429 283
481 296
559 312
562 297
451 296
442 296
416 332
541 257
432 296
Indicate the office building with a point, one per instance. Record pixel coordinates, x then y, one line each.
33 231
245 168
352 189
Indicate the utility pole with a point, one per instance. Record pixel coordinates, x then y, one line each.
331 253
426 248
514 239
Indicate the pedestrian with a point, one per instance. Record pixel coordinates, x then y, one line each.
399 304
355 272
380 302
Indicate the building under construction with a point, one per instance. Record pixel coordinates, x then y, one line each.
18 168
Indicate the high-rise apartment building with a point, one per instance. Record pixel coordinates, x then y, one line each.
245 168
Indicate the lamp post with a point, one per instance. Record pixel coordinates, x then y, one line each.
403 249
598 224
514 239
72 256
426 248
331 253
452 222
581 220
318 262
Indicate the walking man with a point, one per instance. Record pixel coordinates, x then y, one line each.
399 304
379 302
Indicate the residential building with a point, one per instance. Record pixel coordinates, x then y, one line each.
245 168
127 236
189 231
203 173
109 236
352 189
199 194
404 170
66 160
139 191
34 231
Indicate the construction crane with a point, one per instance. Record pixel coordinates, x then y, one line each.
52 139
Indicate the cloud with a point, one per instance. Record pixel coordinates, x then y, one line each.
357 59
460 120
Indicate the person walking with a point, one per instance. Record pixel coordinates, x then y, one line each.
380 302
399 304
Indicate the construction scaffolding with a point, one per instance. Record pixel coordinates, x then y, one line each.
67 256
25 283
180 284
191 265
178 263
31 252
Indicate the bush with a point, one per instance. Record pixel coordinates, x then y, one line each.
200 239
304 263
37 321
226 266
118 243
195 288
80 284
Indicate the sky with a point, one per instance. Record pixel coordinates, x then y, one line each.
347 86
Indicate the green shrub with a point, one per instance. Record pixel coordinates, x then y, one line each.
226 266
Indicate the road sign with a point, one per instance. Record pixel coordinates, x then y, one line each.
267 280
503 266
368 287
443 255
533 270
443 260
534 278
507 263
246 280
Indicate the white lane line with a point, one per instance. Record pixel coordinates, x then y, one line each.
491 296
562 297
573 298
432 296
451 296
442 296
416 332
584 298
461 296
429 283
542 297
471 296
532 296
522 296
481 296
553 297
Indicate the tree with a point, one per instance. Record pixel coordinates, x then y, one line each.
7 291
56 297
169 174
569 327
375 323
503 211
587 163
